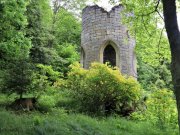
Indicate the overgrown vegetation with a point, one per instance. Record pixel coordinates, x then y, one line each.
160 109
39 54
61 123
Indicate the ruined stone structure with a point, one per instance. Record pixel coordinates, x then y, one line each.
105 39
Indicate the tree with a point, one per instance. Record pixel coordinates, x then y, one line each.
152 47
170 19
39 17
74 6
18 79
151 11
69 54
14 47
67 28
13 43
66 44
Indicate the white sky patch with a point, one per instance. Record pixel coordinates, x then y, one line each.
103 3
178 18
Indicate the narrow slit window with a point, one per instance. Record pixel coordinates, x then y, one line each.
83 57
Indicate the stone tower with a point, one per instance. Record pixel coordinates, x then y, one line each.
105 39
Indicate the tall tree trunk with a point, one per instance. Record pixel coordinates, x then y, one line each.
170 19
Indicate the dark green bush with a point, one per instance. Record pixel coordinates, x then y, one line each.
103 90
17 80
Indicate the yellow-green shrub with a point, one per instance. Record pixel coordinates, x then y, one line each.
161 109
103 90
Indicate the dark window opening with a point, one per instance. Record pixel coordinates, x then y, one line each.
109 55
83 57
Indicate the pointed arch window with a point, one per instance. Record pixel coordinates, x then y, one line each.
109 55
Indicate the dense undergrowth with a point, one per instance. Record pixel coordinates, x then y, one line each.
58 122
37 47
58 115
64 107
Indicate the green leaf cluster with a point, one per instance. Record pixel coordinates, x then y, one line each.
160 109
152 48
14 44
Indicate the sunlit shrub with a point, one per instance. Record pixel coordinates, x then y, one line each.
161 109
103 90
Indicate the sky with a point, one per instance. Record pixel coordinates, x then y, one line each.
104 4
107 6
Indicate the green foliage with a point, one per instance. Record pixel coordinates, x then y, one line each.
161 109
46 81
37 120
44 78
103 90
152 47
18 80
64 100
39 16
67 28
66 43
5 100
14 47
154 77
48 71
162 106
46 103
12 124
69 54
61 123
13 43
74 6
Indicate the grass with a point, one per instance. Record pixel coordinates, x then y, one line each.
58 122
64 122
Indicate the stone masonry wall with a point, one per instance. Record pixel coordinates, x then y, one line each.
101 28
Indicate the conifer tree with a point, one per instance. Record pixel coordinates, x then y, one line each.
14 47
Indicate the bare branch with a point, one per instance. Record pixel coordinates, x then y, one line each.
157 5
145 26
160 15
155 10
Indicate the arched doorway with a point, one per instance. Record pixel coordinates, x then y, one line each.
109 55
